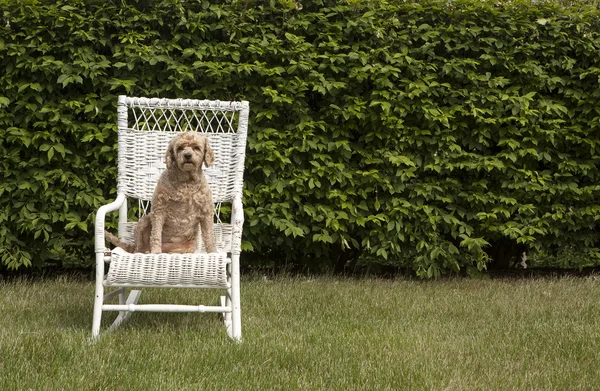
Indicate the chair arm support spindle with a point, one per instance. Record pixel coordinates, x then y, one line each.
99 244
237 222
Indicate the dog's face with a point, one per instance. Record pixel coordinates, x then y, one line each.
188 151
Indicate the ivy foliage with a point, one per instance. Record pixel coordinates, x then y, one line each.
420 134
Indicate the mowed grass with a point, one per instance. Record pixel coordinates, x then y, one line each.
312 334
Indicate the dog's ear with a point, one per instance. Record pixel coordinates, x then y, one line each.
170 156
209 155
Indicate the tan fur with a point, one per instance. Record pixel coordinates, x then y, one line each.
182 200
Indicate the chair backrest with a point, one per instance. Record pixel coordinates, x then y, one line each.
146 126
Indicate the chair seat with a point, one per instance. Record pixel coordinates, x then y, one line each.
167 270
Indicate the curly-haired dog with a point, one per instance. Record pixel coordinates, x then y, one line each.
182 200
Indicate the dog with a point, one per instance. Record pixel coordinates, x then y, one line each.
182 200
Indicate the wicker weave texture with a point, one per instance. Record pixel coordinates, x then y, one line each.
147 125
167 270
222 234
142 160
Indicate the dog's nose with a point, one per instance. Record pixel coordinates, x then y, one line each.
187 155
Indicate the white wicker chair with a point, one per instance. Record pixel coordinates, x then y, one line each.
145 126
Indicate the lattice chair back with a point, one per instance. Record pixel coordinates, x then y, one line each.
145 128
147 125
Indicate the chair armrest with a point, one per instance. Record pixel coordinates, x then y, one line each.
99 242
237 223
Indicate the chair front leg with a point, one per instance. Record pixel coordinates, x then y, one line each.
99 248
237 222
99 298
236 312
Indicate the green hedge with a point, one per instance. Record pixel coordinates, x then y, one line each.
431 136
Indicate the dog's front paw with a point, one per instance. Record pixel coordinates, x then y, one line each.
155 250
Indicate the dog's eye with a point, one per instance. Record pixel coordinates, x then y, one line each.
196 148
179 149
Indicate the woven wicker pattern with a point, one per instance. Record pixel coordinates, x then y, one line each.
167 270
222 234
143 160
147 125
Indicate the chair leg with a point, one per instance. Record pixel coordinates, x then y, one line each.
134 297
226 302
122 300
236 323
97 315
99 298
236 320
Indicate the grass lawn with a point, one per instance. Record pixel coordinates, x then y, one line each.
312 334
